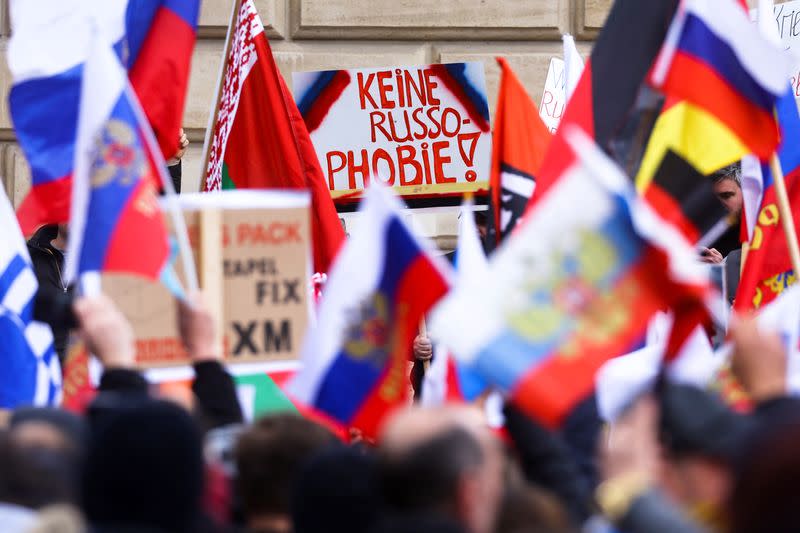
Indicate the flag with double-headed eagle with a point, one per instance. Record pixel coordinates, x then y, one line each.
383 281
575 286
116 224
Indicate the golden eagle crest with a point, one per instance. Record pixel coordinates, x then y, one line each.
568 293
117 157
368 338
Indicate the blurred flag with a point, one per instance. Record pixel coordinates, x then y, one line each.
519 144
752 195
29 369
116 223
573 65
685 146
448 380
573 287
258 139
612 78
355 359
768 269
623 379
46 54
158 46
717 60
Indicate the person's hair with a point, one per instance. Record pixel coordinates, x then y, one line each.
34 476
336 493
144 466
731 172
765 495
527 509
425 477
269 456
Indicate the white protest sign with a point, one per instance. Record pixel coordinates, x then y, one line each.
554 97
422 130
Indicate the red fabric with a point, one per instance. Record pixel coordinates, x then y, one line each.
141 221
160 76
550 390
768 267
559 156
694 81
269 148
520 138
392 388
45 204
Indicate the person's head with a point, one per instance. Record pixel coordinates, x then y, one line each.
701 438
765 495
727 186
269 456
61 237
57 439
144 467
443 461
482 223
33 474
336 492
527 509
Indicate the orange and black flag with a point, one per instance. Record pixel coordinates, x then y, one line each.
520 142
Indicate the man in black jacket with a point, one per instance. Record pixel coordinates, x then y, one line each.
47 248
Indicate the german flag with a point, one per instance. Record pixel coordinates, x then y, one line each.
607 92
685 146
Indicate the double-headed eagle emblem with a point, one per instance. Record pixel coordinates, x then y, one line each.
118 158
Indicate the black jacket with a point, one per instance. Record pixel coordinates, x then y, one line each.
48 264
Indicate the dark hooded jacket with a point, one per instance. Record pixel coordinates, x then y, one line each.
48 263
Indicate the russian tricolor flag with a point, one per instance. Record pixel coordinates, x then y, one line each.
574 286
116 223
715 58
46 56
355 359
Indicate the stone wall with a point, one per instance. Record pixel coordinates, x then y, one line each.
327 34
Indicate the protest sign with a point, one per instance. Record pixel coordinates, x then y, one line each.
787 19
265 278
554 97
422 130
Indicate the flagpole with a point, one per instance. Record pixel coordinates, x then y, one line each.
212 118
785 212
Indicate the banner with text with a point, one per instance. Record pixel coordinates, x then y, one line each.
554 96
265 275
424 131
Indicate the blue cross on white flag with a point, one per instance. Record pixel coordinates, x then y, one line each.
29 370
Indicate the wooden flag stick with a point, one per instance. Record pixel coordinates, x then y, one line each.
785 211
423 330
743 258
213 116
211 268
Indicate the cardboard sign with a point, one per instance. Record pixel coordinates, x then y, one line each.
423 130
265 268
554 97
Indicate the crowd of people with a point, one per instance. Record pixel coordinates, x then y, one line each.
678 460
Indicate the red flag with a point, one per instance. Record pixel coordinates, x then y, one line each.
259 139
520 142
160 63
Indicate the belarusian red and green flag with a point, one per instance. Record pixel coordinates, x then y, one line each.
259 140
